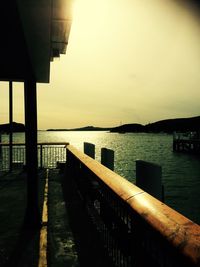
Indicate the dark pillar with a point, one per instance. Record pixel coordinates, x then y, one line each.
10 123
32 217
0 146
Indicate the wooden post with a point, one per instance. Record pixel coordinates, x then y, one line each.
149 178
32 217
10 124
107 158
89 149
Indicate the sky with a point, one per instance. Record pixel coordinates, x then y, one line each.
127 61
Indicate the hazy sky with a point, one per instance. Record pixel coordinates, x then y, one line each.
127 61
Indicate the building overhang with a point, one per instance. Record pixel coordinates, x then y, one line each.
33 32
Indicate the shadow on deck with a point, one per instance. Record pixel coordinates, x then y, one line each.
19 246
71 239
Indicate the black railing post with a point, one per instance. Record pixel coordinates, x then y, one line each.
41 157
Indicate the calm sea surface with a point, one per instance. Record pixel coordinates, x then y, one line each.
180 172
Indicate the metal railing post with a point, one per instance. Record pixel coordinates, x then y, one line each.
41 156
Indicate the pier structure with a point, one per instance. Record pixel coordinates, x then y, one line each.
91 217
135 228
186 143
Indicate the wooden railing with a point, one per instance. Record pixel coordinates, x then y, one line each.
135 228
49 154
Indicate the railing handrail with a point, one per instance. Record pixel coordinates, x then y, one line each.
181 233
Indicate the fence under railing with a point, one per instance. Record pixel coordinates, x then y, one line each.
49 155
135 229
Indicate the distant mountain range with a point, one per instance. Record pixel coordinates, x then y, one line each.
167 126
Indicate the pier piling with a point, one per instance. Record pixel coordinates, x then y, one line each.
89 149
107 158
149 178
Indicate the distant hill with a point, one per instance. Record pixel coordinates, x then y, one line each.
167 126
128 128
171 125
87 128
16 127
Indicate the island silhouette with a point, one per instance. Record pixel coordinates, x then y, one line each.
191 124
166 126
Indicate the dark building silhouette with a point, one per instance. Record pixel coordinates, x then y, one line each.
33 32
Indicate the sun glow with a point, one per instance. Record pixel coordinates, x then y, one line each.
126 59
86 12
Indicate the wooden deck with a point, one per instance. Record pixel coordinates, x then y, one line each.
70 240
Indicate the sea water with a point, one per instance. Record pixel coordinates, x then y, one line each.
180 172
